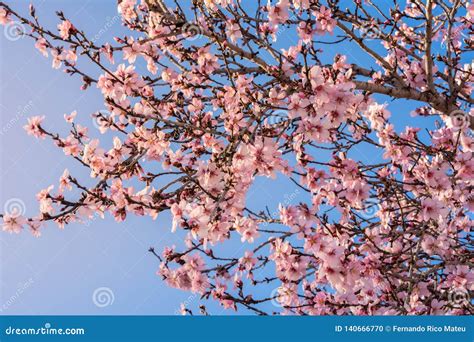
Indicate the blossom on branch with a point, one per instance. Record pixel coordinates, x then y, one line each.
233 94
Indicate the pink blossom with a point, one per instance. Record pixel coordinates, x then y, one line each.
70 117
248 229
325 23
13 223
4 17
131 52
233 31
65 29
42 45
470 10
126 8
431 209
34 127
373 212
58 58
279 13
64 181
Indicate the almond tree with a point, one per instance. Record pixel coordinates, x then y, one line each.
237 90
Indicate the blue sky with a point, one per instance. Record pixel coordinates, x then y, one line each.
59 272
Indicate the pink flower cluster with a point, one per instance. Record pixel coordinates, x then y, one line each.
209 128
